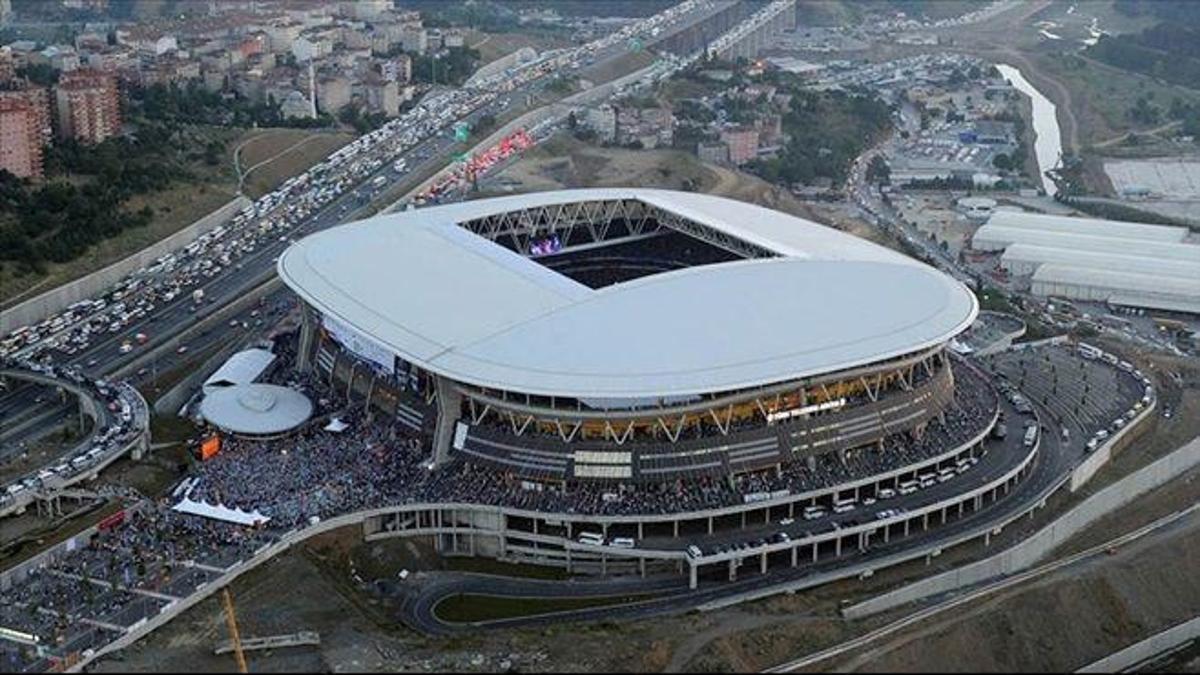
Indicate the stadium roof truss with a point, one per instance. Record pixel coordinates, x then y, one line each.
520 411
520 227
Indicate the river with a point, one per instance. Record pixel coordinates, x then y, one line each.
1047 143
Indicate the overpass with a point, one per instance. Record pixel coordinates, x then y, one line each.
50 488
750 37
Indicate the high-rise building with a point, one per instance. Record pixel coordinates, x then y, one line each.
743 144
87 106
20 142
8 69
38 99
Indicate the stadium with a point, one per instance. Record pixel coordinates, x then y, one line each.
630 336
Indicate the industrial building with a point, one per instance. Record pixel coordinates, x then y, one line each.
1120 263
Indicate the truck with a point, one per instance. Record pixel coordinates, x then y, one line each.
198 296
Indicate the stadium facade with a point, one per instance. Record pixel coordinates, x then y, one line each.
628 335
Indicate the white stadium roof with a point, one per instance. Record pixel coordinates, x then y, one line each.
460 306
241 368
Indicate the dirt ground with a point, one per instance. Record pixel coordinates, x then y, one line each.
567 163
286 153
492 46
1066 620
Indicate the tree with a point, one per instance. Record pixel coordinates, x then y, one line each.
878 171
1002 162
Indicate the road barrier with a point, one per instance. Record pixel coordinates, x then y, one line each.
1032 549
1139 653
56 300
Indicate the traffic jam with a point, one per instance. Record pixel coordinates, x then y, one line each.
183 273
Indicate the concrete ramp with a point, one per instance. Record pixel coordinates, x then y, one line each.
304 638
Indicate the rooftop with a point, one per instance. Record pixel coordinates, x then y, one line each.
416 285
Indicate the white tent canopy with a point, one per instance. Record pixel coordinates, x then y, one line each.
241 368
220 512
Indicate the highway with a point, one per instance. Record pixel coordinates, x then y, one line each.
103 356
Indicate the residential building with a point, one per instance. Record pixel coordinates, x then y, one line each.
742 143
8 69
397 69
281 36
307 48
38 100
414 40
382 96
333 94
87 106
603 120
20 146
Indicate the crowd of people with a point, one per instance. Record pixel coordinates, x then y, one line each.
318 473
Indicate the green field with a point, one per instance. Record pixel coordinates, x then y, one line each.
1102 95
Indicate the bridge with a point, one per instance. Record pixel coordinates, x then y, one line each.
52 488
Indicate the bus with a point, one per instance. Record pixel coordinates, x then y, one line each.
1031 435
1089 352
907 487
813 512
592 538
843 505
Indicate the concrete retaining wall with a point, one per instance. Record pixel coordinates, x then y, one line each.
54 301
173 399
1035 548
1099 459
1146 649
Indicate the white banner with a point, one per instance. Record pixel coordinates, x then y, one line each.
360 344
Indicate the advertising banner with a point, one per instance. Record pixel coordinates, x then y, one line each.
360 344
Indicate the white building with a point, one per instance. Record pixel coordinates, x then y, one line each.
1120 263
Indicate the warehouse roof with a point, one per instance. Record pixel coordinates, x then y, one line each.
1132 260
454 304
1045 222
996 237
1128 288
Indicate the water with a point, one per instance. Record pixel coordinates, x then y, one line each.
1047 143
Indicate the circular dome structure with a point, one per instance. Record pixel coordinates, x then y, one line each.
256 409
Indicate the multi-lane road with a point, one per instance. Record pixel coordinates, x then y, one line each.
104 356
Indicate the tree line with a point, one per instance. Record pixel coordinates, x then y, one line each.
83 199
